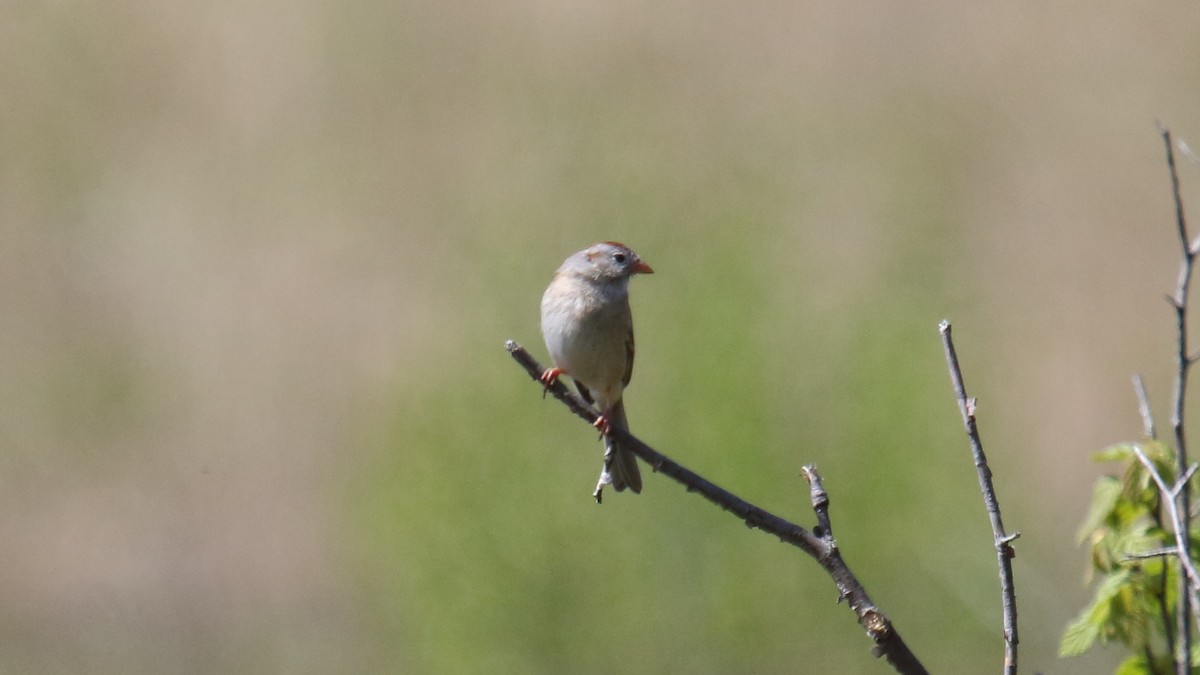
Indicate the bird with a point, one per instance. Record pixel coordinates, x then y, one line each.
588 329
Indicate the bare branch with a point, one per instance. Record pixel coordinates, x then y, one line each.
1181 484
821 547
1191 577
1139 387
1004 552
1182 505
1152 553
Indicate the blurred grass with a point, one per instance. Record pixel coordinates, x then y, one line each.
260 260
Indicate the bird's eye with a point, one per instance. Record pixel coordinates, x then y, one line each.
619 257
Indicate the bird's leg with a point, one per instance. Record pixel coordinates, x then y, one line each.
548 379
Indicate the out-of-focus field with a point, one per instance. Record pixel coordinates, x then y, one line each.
259 260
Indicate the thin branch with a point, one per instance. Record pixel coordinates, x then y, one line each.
1184 362
821 547
1152 553
1160 591
1181 484
1004 552
1191 576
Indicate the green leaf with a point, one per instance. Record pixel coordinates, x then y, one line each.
1141 540
1116 453
1079 636
1096 618
1134 665
1160 453
1129 602
1104 501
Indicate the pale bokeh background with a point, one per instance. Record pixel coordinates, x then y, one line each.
259 260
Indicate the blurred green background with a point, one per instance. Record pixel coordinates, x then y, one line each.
259 260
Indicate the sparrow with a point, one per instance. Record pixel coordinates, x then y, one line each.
588 329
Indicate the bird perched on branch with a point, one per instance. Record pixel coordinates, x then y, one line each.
588 329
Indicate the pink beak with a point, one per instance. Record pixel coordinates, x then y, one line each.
642 268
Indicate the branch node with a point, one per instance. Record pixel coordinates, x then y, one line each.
877 624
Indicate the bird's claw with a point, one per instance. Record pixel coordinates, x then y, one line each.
604 424
548 379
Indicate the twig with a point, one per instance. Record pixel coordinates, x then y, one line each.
821 547
1183 646
1152 553
820 502
1004 552
1139 388
1192 577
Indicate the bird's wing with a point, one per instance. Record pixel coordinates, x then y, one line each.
628 358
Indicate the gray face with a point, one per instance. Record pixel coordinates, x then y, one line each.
608 261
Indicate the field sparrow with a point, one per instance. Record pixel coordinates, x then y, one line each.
588 330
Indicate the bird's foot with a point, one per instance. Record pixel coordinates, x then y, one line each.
604 423
548 379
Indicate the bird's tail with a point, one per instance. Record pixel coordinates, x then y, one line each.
621 463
